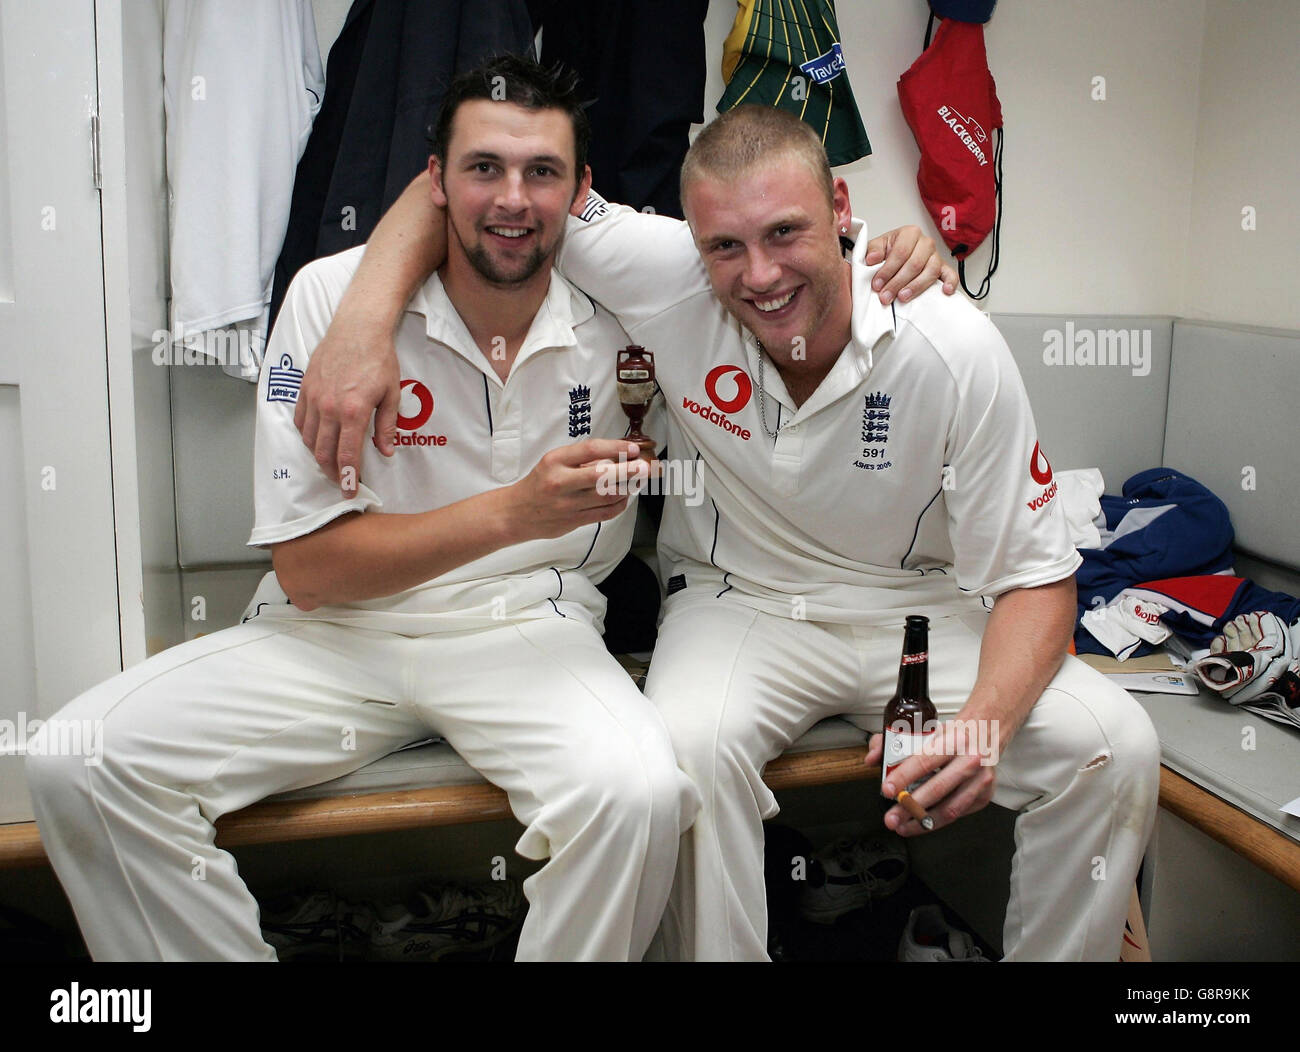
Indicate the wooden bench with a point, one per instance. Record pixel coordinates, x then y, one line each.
286 820
1273 852
275 821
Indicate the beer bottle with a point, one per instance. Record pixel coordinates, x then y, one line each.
910 716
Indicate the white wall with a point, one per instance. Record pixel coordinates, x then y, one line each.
1247 154
1096 193
1131 205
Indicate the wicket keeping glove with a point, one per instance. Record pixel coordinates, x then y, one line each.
1256 654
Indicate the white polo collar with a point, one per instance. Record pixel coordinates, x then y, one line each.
873 322
563 309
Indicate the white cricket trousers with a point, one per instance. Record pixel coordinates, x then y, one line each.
736 686
538 707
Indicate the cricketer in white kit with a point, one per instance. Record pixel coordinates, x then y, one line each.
860 462
454 595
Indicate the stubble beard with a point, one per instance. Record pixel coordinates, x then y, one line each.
481 260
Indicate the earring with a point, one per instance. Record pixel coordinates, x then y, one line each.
844 230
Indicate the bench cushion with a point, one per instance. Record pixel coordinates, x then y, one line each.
1231 426
1100 416
437 764
1202 739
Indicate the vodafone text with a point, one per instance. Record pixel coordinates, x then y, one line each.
419 438
714 417
1042 498
75 1005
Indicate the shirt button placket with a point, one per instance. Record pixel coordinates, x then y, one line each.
506 438
787 460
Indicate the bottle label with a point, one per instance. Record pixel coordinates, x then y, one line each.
899 745
915 659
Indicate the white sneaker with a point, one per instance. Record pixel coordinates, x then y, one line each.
849 873
928 937
319 927
447 919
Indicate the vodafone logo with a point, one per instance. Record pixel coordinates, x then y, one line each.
1041 475
744 388
1149 616
739 388
413 421
425 400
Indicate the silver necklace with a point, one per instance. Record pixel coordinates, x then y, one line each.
762 394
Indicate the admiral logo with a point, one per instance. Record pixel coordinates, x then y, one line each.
1041 475
284 381
968 131
594 207
827 67
413 421
579 411
739 387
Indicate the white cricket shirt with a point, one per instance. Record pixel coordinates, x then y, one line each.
910 481
242 84
461 432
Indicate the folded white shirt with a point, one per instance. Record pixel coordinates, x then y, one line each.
1079 491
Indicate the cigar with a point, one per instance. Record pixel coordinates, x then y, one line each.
915 809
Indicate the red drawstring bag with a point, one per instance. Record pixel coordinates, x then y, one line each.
950 103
